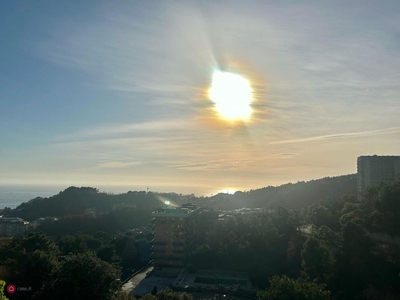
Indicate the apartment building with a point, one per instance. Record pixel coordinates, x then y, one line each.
176 234
208 221
12 226
373 170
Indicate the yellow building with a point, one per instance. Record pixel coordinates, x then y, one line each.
175 235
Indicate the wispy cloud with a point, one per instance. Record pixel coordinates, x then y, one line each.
118 165
339 136
285 155
113 131
328 71
240 163
126 50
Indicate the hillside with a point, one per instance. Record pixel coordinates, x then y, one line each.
74 200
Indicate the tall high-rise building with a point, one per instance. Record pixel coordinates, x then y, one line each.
373 170
176 235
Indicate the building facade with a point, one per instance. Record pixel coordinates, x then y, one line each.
374 170
12 226
176 235
208 222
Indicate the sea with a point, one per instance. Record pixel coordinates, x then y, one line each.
13 195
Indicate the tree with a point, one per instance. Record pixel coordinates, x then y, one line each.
293 255
154 291
282 221
319 215
108 254
349 207
71 244
79 243
356 243
353 216
354 263
168 294
123 296
317 260
84 276
329 238
386 207
2 285
285 288
129 257
149 297
30 259
6 211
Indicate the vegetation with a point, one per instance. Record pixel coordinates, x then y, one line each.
284 288
111 223
63 269
76 201
84 276
290 196
30 260
327 251
2 286
167 294
341 253
337 252
262 245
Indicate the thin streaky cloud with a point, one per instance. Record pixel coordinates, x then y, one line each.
339 135
103 131
120 95
118 164
285 155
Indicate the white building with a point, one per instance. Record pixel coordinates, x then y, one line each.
12 226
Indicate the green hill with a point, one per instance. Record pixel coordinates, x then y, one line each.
75 200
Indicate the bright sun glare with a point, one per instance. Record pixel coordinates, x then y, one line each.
231 94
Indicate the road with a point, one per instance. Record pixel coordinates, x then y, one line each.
135 280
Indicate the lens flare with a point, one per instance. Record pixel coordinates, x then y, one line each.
232 95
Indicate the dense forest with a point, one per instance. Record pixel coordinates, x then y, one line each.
290 196
338 245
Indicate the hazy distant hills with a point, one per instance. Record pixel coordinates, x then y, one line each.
75 201
291 195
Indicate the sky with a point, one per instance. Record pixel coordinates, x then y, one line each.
115 93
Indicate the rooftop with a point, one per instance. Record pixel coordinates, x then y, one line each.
11 220
378 156
180 211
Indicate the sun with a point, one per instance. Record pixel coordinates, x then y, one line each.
232 95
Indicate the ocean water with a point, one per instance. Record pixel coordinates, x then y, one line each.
14 195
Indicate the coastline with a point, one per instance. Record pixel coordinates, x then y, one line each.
13 195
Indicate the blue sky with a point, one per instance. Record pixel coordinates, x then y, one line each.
115 93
